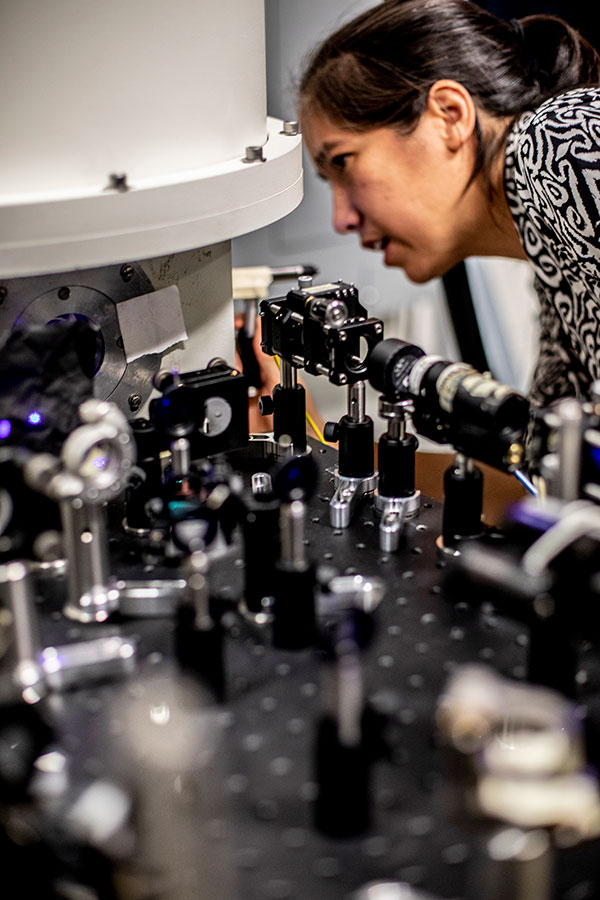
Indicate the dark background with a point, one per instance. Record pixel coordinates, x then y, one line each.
584 18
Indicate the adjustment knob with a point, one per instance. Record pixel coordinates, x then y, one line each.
265 405
331 432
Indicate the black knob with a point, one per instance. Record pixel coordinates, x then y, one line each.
265 405
331 432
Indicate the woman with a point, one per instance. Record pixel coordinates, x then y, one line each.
446 132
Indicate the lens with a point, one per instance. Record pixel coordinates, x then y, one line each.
389 366
98 462
356 362
89 342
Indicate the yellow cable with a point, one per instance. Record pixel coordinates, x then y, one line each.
314 427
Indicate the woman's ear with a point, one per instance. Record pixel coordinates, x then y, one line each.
453 107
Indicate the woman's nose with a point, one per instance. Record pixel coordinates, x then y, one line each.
345 217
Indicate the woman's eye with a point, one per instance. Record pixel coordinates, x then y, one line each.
339 162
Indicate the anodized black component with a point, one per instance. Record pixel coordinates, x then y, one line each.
323 329
208 407
453 402
294 578
342 808
390 365
296 479
24 734
288 408
293 608
346 735
145 481
19 529
463 503
199 648
260 530
356 448
250 366
558 606
396 465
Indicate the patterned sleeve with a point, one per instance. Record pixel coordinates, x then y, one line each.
555 374
560 151
556 204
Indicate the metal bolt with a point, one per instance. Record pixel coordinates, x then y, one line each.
378 329
254 154
261 483
127 272
291 128
305 281
3 293
342 335
134 401
64 293
343 379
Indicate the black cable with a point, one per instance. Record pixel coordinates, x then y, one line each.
464 319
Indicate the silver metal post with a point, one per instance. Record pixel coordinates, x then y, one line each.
180 457
17 595
356 401
287 375
569 449
198 590
512 864
292 519
91 598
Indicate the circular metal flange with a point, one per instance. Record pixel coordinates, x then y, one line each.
95 605
443 551
94 295
410 505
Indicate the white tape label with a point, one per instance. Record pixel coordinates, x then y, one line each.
151 323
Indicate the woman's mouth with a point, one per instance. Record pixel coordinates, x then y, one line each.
380 244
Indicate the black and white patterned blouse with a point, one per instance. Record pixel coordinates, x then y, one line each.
552 182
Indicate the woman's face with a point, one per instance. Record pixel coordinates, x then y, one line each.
403 194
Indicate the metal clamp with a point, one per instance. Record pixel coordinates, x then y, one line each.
393 512
344 592
345 500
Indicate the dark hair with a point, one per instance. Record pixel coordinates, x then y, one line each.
377 69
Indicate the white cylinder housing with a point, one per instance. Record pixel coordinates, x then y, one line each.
146 88
125 127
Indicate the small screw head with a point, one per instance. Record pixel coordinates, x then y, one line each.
127 272
378 328
117 182
291 128
134 401
342 335
64 293
343 379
